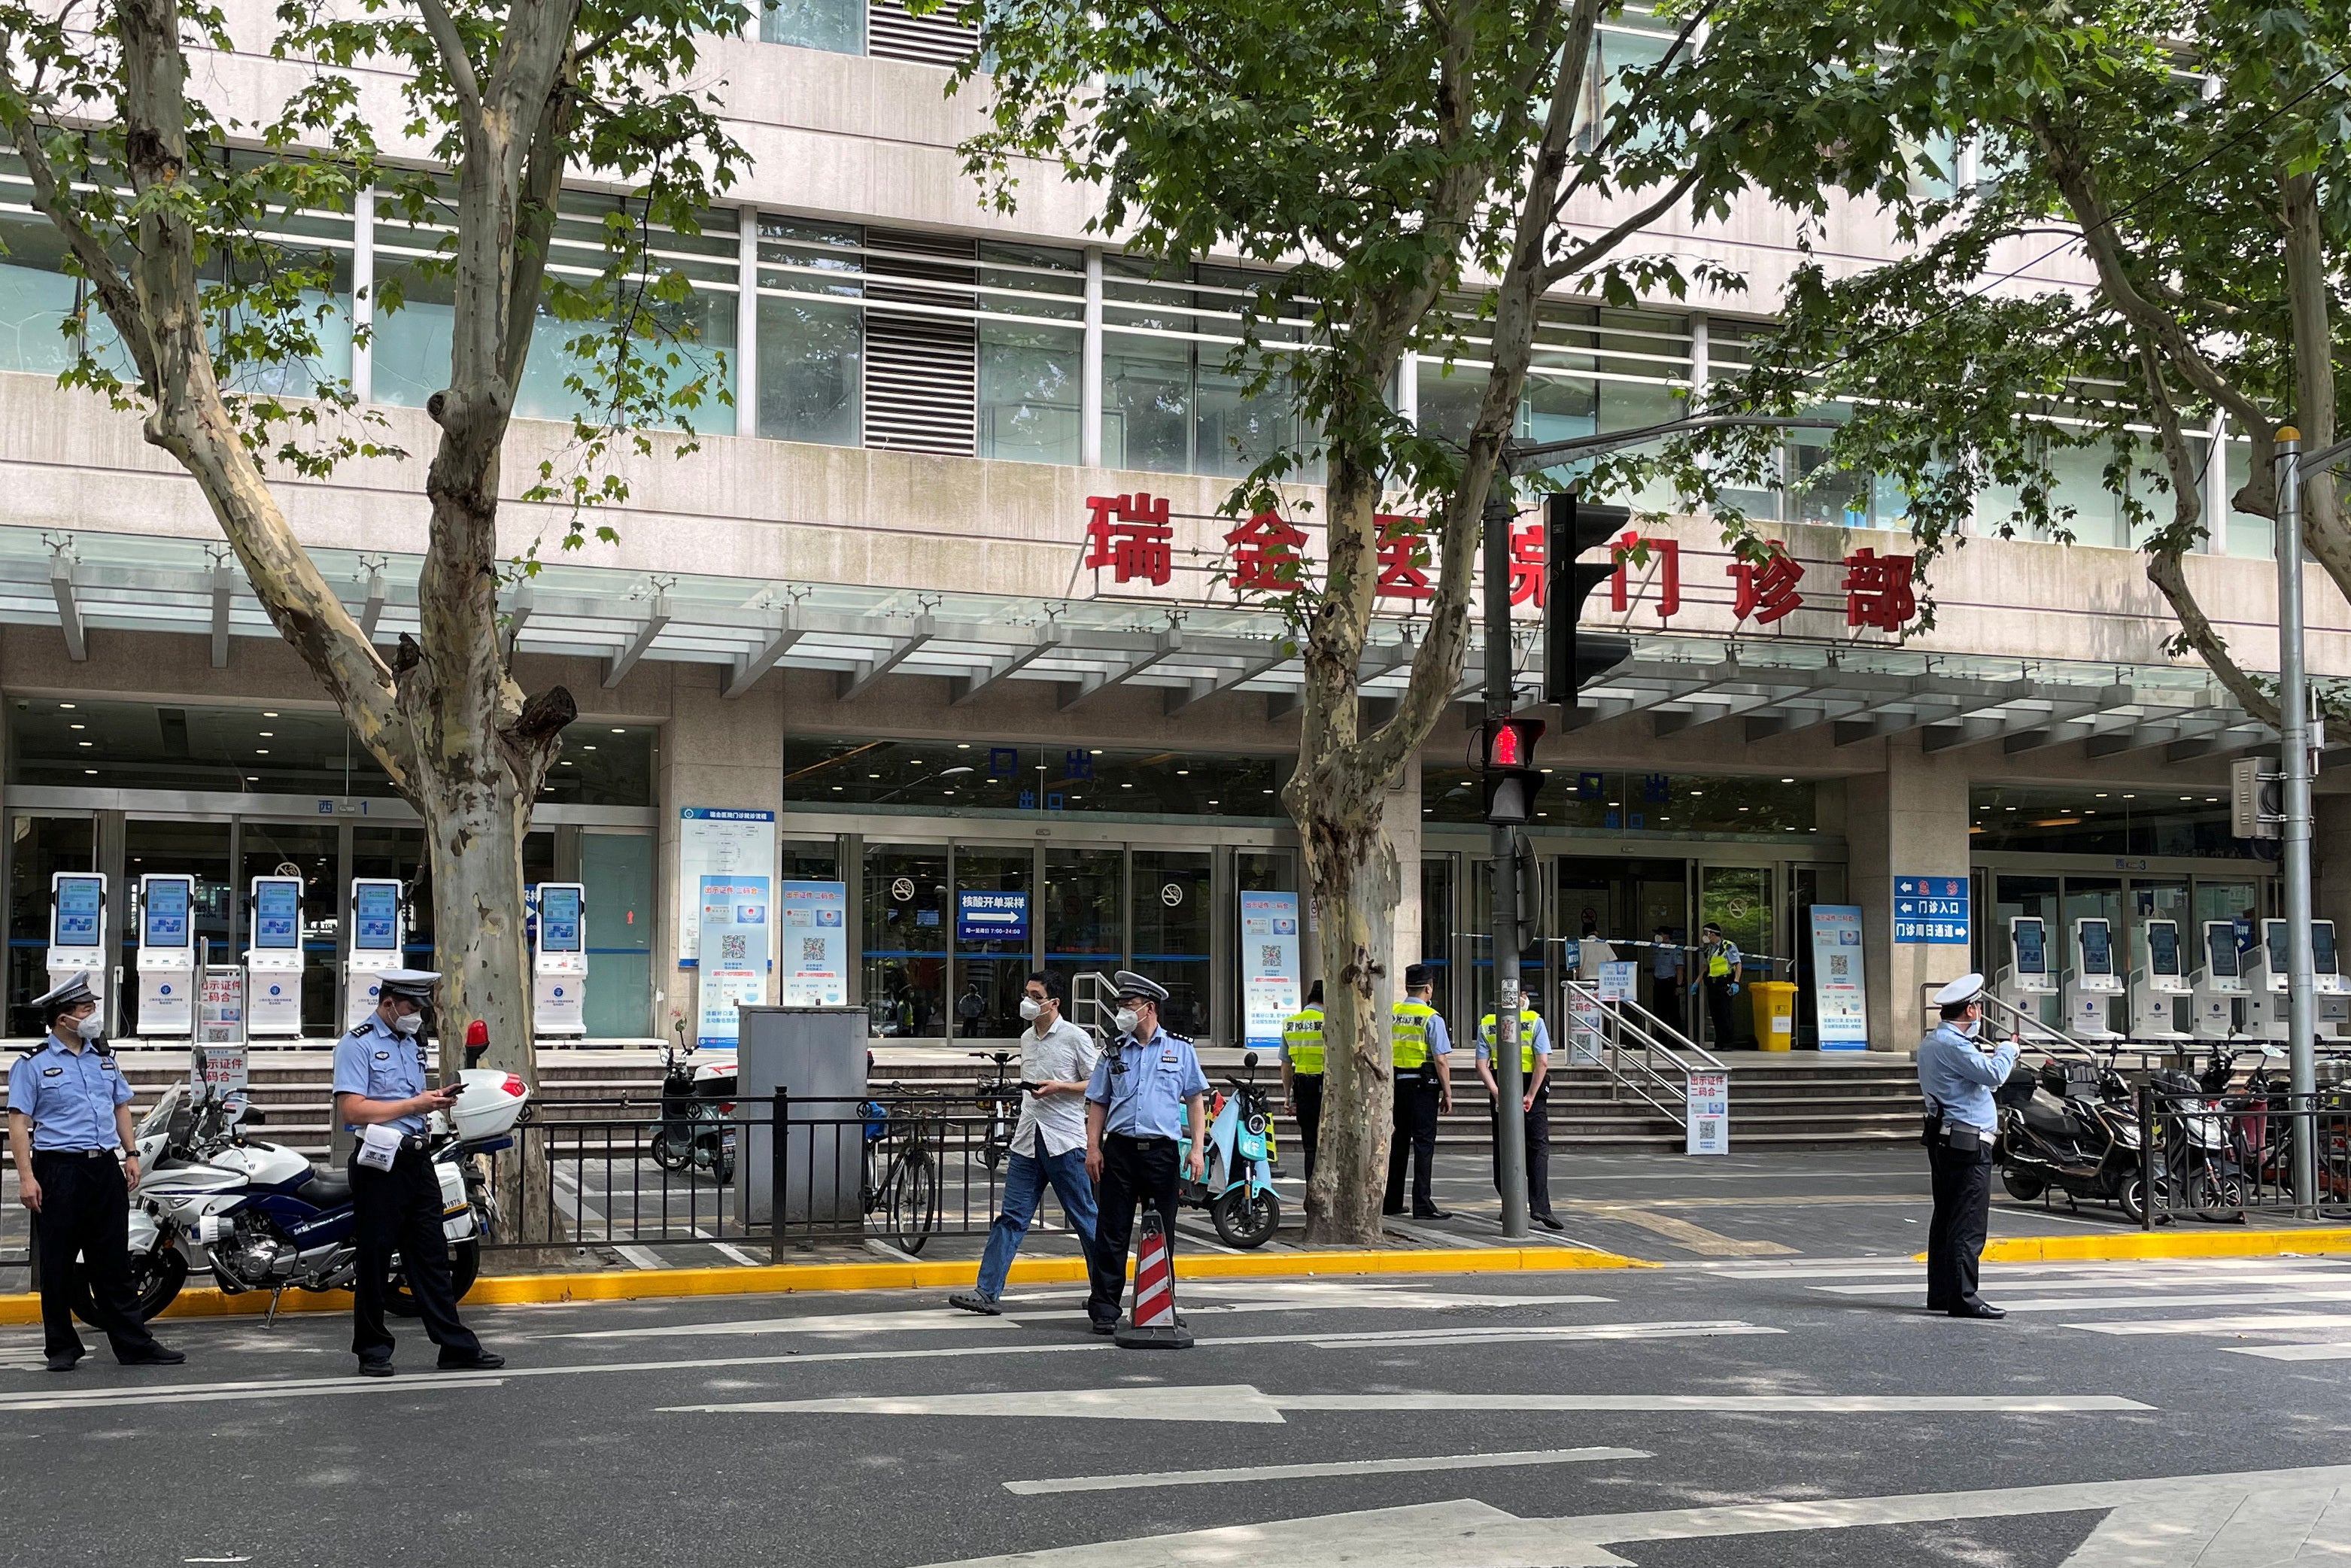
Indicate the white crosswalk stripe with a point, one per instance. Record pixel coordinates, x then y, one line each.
2189 1298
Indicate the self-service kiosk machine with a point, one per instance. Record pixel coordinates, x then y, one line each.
2026 979
2157 983
560 962
167 957
273 960
2266 977
2331 1004
2219 983
77 930
2091 981
378 929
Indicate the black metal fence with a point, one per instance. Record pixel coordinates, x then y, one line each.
899 1166
2221 1157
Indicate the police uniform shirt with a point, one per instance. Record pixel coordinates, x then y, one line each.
1147 1101
1958 1075
1486 1031
69 1094
375 1062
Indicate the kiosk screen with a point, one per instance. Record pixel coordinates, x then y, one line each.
2031 947
166 914
559 919
2321 946
80 899
2162 947
2097 948
277 914
375 917
2274 936
2221 949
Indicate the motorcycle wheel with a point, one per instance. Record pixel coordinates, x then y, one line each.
672 1154
156 1278
464 1268
1245 1219
2021 1184
2133 1199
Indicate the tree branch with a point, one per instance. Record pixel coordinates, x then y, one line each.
1600 245
455 58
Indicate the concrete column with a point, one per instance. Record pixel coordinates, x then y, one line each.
1400 826
1911 819
714 752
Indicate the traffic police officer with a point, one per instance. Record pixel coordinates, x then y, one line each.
1301 1071
381 1094
1137 1102
1718 963
69 1114
1535 1105
1956 1071
1423 1090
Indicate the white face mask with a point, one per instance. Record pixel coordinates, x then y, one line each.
90 1027
1032 1008
409 1023
1126 1020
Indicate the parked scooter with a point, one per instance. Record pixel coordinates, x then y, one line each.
2069 1126
261 1217
696 1132
1237 1191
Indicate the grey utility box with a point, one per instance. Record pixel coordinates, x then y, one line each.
817 1055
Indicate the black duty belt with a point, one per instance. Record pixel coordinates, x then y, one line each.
75 1154
1154 1140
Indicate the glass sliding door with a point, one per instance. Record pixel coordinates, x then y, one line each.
312 851
200 849
617 872
993 940
1738 899
2097 897
1169 917
1082 911
38 848
906 936
1436 877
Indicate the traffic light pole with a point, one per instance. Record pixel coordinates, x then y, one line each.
2294 757
1509 1125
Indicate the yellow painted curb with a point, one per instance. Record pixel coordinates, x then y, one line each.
880 1274
2123 1246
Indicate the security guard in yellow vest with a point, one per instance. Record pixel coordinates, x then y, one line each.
1423 1090
1301 1071
1534 1104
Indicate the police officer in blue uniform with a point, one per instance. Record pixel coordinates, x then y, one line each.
381 1094
1143 1087
1958 1068
68 1116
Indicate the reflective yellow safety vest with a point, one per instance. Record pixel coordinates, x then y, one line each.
1409 1021
1718 962
1301 1042
1527 1021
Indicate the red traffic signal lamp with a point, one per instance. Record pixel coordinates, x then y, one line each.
1512 779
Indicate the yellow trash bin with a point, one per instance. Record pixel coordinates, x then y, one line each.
1775 1014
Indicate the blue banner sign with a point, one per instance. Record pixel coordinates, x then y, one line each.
1931 909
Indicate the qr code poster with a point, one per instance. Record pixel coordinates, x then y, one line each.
1270 957
1840 966
734 950
812 952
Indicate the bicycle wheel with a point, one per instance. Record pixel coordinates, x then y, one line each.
913 1207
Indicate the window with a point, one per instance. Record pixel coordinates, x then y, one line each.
2103 819
835 24
1173 402
811 341
1032 346
975 777
1605 801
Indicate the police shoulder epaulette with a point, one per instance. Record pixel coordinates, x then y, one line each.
1184 1038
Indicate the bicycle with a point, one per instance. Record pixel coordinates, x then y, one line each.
999 1101
906 1190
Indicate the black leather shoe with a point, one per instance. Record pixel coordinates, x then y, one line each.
162 1356
1432 1214
480 1360
1549 1222
66 1362
1978 1310
370 1367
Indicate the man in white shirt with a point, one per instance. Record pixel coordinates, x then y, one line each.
1048 1144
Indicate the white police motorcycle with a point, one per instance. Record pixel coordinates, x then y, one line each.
260 1217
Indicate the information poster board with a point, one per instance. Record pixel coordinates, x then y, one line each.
986 915
721 842
222 1068
1931 910
1620 981
1587 1027
733 949
814 967
1840 1001
220 1004
1709 1132
1270 989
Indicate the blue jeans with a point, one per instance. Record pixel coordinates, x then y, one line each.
1025 1178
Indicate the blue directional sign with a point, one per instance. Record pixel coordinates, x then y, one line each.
991 917
1931 909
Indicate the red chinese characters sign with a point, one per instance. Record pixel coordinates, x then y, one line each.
1770 590
1403 558
1666 555
1266 556
1877 590
1131 535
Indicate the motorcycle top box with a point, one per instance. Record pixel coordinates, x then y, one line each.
492 1103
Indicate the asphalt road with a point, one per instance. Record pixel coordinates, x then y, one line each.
1751 1411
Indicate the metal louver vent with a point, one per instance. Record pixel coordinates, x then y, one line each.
935 39
922 361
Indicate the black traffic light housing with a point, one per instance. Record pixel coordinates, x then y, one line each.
1512 779
1573 658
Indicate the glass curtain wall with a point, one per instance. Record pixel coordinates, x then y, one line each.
1170 913
906 936
1738 899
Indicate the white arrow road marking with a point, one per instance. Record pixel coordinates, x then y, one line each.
2250 1323
1241 1402
2251 1520
1341 1468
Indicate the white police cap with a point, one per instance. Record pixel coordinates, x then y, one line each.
417 984
1130 984
1965 988
72 994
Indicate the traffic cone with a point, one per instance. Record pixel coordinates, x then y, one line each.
1151 1324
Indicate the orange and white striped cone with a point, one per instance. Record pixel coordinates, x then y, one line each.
1151 1324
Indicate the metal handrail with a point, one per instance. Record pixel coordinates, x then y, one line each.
1628 1016
1094 996
2029 1029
